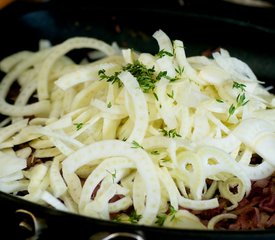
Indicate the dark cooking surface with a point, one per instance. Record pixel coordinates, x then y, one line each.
247 33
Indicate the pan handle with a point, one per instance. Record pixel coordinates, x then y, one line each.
116 236
28 225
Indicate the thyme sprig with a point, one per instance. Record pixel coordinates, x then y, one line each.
240 86
112 78
113 175
161 218
241 99
135 144
170 133
79 125
163 53
134 217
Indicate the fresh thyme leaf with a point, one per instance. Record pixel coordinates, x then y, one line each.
170 133
219 100
134 217
231 109
116 219
163 53
112 174
179 70
109 105
240 86
241 101
155 152
171 95
78 125
156 96
172 212
164 160
136 145
161 219
113 78
161 74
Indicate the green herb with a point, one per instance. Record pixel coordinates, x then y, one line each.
124 139
113 78
240 99
164 160
219 100
240 86
231 109
112 174
155 152
171 95
136 145
179 70
161 219
172 212
109 105
78 125
170 133
162 74
134 217
145 76
116 218
163 53
156 96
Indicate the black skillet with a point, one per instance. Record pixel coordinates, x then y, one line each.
247 33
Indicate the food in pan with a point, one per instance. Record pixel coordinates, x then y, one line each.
145 138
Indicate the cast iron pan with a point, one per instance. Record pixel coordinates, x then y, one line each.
235 29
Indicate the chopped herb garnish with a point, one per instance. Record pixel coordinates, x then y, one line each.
240 99
171 95
232 109
134 217
113 78
164 160
124 139
161 219
161 74
109 105
179 70
170 133
78 125
240 86
219 100
112 174
145 76
136 145
172 212
116 218
156 96
155 152
163 53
